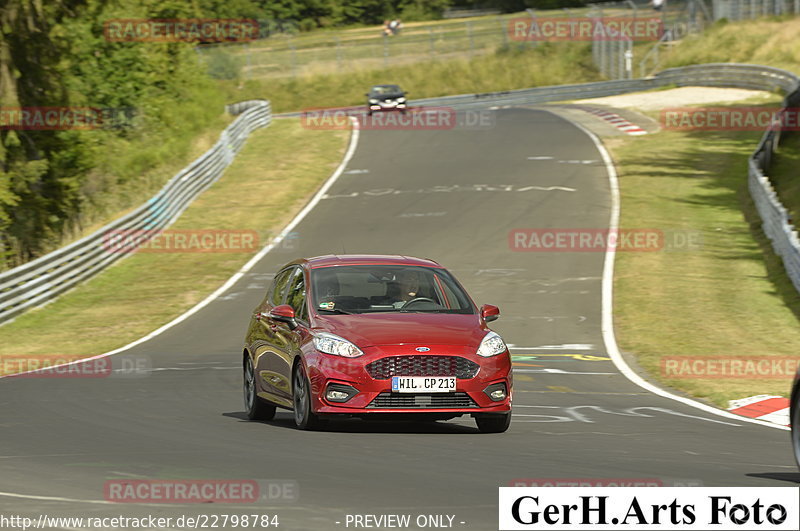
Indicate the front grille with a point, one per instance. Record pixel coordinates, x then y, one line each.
423 365
422 401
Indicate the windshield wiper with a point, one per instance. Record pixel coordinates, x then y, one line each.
334 310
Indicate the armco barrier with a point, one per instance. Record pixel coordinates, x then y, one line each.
43 279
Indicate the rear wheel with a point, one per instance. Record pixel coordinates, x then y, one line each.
255 407
304 418
493 423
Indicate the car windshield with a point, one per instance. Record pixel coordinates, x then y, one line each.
387 288
380 90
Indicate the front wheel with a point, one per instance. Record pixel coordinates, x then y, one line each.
255 407
493 423
304 418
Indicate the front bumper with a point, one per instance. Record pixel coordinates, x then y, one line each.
373 395
387 106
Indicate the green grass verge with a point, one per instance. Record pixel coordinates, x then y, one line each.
269 182
728 298
513 67
768 41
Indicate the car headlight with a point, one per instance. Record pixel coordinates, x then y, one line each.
491 345
338 346
372 100
401 100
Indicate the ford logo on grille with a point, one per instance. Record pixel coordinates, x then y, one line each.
422 349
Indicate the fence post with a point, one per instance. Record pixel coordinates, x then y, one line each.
338 53
504 30
385 50
293 57
248 65
532 13
629 60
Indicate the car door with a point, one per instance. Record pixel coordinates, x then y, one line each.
296 298
269 344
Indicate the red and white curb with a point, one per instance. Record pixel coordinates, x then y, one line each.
617 121
769 408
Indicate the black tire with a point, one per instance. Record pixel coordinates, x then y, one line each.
304 418
493 423
255 407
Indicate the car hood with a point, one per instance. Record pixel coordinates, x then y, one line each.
376 329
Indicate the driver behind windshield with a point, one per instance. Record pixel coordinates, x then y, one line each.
408 283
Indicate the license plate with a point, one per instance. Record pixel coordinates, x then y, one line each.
423 384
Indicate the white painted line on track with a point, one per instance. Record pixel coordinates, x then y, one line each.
351 148
608 303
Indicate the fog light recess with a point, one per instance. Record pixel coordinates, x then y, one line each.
340 392
497 391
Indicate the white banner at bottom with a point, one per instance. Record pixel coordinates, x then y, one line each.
640 509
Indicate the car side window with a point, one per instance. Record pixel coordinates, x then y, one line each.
279 286
297 294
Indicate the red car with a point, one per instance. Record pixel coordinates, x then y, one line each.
374 337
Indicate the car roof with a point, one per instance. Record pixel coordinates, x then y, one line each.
332 260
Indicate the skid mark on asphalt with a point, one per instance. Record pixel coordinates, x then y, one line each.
602 393
565 346
578 414
422 214
546 318
560 371
570 357
378 192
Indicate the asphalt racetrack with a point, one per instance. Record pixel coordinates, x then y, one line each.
450 195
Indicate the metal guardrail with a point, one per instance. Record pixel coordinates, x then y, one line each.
42 280
775 220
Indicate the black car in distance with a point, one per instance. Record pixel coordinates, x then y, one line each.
386 98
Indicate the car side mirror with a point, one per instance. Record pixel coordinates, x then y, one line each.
366 94
490 313
285 314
